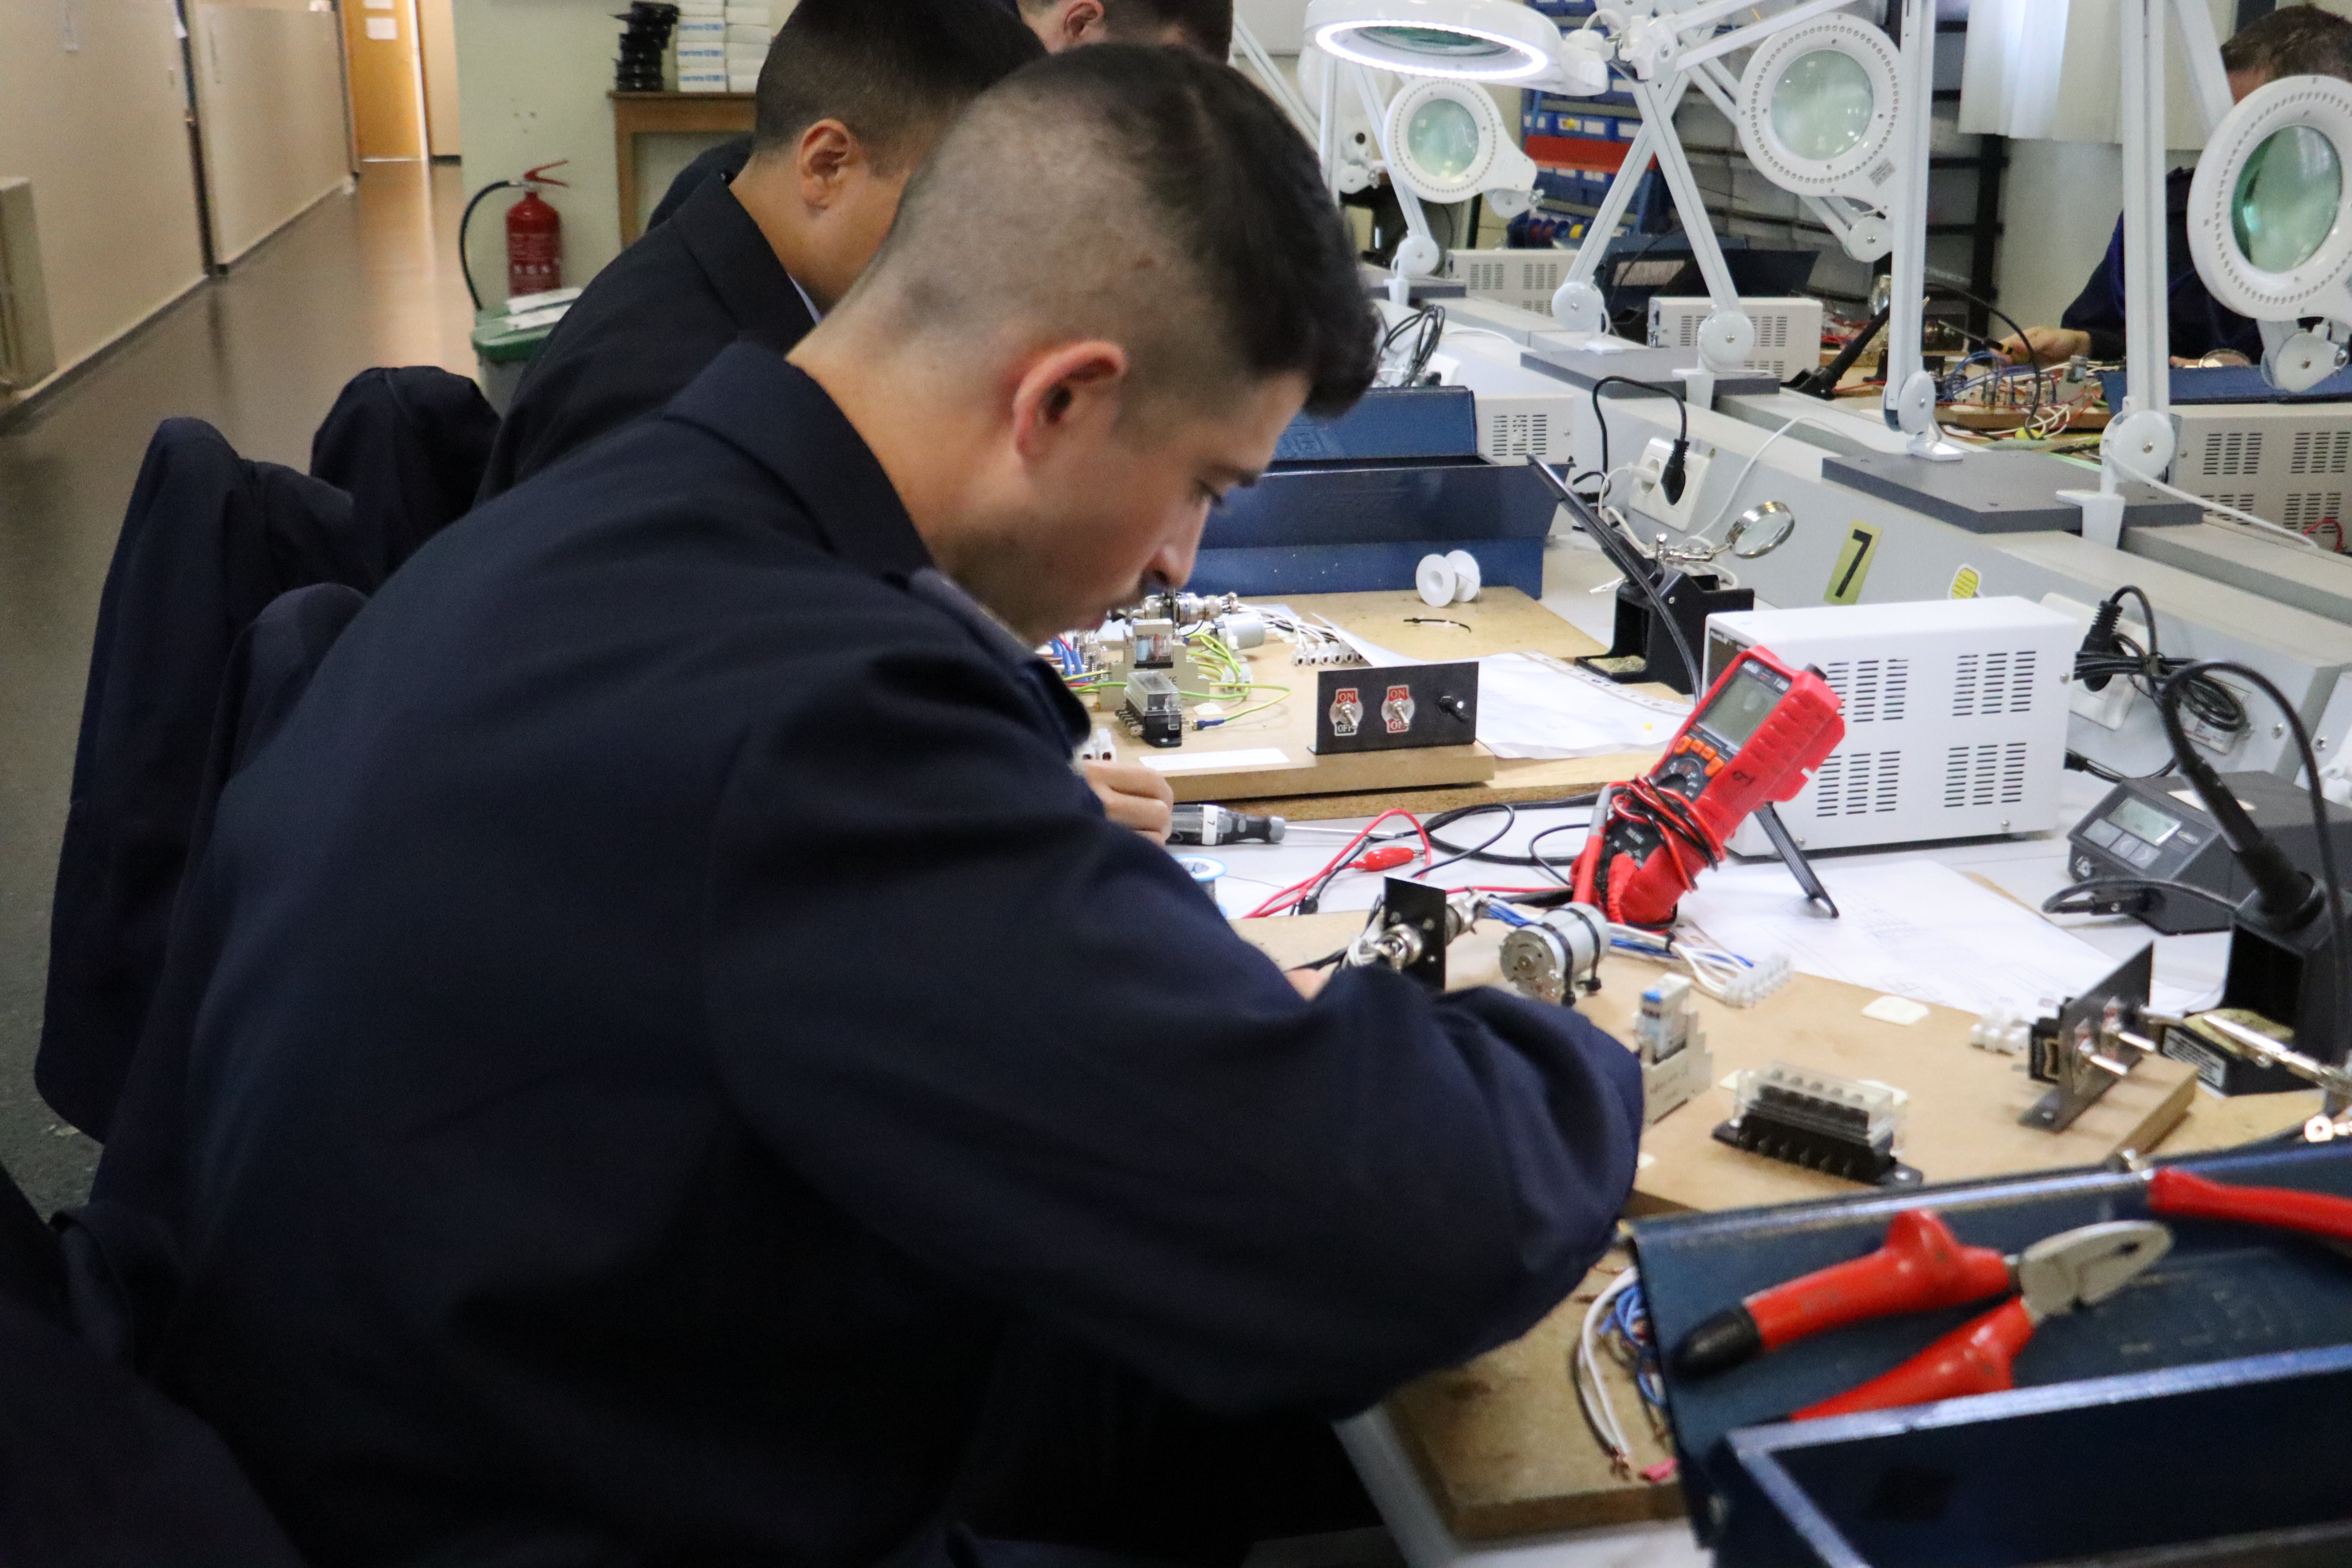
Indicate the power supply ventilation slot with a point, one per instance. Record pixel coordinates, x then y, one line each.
2309 508
1772 332
1992 774
2243 500
2320 452
2231 453
1521 435
1539 276
1993 683
1857 784
1486 275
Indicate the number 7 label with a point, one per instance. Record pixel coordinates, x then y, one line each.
1852 567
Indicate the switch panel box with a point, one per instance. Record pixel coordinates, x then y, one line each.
1396 708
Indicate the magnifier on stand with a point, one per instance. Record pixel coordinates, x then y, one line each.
2267 224
1439 139
1828 109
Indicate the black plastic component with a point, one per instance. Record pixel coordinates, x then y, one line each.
1397 708
1643 648
1799 1130
1718 1344
1422 907
2178 842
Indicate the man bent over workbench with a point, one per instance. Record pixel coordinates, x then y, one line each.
684 1036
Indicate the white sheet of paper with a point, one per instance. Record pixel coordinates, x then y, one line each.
1910 928
383 29
1199 761
1530 705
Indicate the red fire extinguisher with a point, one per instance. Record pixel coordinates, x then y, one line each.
535 236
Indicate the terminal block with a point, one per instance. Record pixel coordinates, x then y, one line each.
1675 1063
1154 709
1842 1126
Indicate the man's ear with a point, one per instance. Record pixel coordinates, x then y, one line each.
1082 22
1070 390
827 156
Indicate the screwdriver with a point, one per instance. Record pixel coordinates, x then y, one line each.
1218 824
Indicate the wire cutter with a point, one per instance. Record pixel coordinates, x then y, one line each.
1922 1266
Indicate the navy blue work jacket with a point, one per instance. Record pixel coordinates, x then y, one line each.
678 1012
2197 323
643 328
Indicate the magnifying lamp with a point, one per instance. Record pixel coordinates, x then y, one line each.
2268 225
1445 138
1463 40
1818 108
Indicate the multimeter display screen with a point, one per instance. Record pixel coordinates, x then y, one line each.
1746 702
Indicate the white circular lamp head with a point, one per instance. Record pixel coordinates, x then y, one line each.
2267 211
1464 40
1819 106
1446 140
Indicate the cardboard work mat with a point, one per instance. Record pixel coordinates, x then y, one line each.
1263 759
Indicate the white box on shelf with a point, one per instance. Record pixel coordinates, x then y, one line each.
1955 717
1788 330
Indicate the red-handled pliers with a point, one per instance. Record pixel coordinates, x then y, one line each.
2184 1194
1922 1266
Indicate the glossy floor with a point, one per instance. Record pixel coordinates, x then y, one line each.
364 278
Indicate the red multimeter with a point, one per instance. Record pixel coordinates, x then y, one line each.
1761 730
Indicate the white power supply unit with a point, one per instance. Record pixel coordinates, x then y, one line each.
1955 717
1787 331
1527 278
2288 463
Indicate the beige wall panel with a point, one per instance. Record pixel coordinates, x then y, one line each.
269 86
533 77
99 129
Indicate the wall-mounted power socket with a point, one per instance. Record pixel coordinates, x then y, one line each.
2108 707
1648 495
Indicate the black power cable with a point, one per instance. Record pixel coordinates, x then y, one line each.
464 265
1682 411
1626 559
1445 819
2273 874
2106 654
2124 896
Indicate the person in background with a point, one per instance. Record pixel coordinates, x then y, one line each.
681 1035
852 97
1206 25
2293 40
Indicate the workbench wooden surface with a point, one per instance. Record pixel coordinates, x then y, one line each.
1304 786
1501 1443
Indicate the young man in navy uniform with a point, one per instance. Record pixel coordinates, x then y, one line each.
682 1033
851 97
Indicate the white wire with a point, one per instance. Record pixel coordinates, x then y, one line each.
1748 467
1591 1393
2131 473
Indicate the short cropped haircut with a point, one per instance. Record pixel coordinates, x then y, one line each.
1146 197
1203 24
2293 40
893 72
